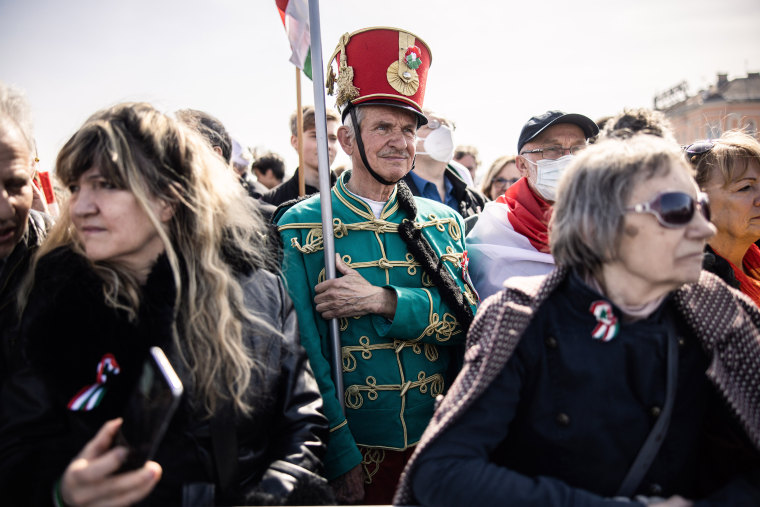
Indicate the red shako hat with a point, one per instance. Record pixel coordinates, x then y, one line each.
382 66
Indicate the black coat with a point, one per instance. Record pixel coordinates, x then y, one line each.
12 271
717 265
68 329
288 190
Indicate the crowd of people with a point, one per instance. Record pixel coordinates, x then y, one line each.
577 326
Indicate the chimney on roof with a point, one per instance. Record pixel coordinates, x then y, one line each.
722 79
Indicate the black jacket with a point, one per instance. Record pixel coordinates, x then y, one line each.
271 457
12 271
288 190
717 265
471 201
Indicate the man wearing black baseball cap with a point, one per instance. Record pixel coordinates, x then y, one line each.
511 237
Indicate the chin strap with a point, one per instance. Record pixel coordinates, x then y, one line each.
360 145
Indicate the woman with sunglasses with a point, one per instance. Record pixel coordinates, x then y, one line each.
609 380
728 170
157 246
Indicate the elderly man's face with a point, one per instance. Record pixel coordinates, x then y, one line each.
15 187
563 135
389 135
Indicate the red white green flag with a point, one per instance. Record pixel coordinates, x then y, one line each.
295 17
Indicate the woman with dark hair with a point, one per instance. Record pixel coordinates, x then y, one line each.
157 247
728 171
626 376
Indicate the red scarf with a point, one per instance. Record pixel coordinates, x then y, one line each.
750 282
529 214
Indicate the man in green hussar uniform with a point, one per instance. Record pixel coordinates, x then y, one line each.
402 295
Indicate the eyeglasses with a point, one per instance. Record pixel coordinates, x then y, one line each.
696 150
503 182
674 209
434 123
555 152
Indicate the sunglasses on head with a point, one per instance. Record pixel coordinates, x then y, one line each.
696 150
674 209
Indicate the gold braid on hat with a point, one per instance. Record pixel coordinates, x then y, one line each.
345 81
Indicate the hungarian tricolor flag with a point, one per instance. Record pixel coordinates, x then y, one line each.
295 17
510 239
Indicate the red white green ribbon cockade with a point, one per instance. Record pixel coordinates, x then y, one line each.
90 396
607 326
412 57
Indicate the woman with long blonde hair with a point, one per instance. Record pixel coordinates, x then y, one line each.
158 246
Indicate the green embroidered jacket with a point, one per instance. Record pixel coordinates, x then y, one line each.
392 370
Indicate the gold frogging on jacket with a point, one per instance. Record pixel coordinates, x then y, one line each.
354 398
314 241
365 347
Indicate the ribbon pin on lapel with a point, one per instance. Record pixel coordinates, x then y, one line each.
90 396
607 326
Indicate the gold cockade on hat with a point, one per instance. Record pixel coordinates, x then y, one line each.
402 74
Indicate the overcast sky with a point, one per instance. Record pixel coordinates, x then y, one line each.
495 63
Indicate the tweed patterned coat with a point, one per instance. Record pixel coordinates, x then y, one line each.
726 322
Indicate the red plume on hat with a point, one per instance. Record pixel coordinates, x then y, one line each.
380 66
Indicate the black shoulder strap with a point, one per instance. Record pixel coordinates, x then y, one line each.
651 446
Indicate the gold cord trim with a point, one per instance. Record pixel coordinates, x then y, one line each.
314 241
366 348
345 80
339 426
354 398
372 457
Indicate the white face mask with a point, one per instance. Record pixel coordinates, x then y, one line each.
439 144
548 173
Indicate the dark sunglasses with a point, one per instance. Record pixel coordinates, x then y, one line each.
696 150
674 209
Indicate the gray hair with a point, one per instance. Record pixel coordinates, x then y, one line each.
14 105
349 122
586 225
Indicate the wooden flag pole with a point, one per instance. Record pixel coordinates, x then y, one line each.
299 135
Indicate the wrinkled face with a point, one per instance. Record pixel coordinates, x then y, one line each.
15 188
504 179
310 151
736 205
112 225
564 135
389 135
652 256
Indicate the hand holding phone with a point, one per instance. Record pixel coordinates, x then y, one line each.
149 410
88 479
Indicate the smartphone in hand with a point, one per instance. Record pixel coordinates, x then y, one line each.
149 410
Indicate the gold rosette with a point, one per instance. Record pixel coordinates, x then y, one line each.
400 76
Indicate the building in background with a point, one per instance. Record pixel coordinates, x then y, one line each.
727 104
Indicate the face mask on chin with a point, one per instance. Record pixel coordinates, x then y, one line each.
548 174
439 144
